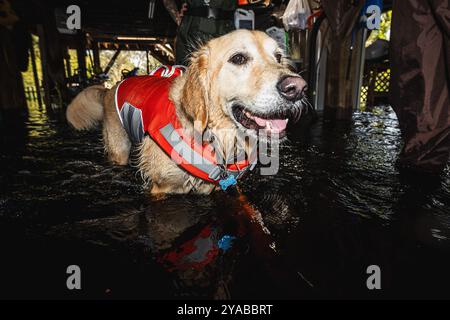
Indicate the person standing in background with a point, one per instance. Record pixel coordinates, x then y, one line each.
420 82
199 21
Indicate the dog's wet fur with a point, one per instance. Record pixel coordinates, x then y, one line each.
235 83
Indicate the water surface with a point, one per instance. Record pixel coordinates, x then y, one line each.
337 206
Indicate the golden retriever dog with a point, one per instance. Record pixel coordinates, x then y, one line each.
237 83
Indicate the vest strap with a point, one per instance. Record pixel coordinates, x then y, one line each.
214 171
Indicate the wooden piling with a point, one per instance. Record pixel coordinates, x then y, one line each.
81 56
46 81
67 63
12 91
341 79
35 74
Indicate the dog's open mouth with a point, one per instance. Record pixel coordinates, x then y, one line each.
271 123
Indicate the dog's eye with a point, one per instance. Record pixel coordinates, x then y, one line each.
239 59
278 56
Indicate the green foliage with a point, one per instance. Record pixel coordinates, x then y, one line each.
385 29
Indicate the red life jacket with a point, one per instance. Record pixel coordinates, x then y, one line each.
144 107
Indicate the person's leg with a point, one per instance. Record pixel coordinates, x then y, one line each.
420 85
181 50
181 53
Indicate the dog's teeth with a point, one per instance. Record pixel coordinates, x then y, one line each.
248 114
268 125
287 120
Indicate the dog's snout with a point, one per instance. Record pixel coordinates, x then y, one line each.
292 88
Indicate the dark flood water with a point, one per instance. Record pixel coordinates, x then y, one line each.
337 206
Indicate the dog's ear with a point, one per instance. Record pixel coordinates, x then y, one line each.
196 89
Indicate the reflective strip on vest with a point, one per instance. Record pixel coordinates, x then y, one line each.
195 159
131 118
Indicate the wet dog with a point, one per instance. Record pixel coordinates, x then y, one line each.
237 83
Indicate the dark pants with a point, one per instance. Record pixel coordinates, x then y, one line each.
420 82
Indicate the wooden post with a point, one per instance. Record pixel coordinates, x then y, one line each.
96 54
81 56
67 63
361 59
342 77
12 91
35 74
46 81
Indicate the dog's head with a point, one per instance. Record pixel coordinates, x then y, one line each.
240 80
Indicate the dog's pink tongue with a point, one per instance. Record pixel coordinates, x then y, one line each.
276 125
279 124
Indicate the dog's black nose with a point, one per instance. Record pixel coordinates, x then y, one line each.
292 88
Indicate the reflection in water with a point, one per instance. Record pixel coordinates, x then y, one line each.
337 206
197 241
